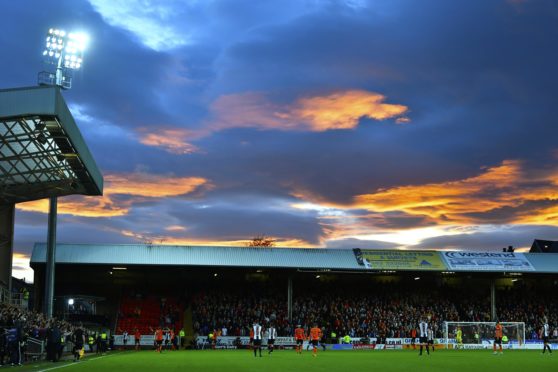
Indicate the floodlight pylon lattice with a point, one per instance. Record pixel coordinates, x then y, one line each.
65 51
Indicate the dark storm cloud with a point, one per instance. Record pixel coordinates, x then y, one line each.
509 214
32 227
398 220
244 222
473 92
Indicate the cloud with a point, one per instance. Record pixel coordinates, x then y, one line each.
344 110
503 188
341 110
121 192
153 22
173 140
492 237
168 25
175 228
338 110
172 240
21 268
350 243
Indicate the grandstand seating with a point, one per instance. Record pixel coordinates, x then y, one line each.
148 313
391 308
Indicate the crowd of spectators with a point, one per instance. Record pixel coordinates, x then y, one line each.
387 311
17 325
234 313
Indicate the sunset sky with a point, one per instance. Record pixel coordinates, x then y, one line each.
322 123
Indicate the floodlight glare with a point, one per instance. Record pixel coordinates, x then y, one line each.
65 51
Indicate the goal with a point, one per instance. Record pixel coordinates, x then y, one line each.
480 335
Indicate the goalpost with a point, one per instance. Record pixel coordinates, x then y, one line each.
480 335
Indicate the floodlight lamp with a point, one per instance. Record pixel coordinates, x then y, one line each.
65 51
78 40
71 301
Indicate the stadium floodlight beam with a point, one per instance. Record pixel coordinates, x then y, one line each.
65 51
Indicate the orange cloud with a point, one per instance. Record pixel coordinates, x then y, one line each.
339 110
169 240
150 185
503 194
175 228
334 111
83 206
468 200
343 110
173 140
121 192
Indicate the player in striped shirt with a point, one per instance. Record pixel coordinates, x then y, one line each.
257 338
423 334
271 336
545 335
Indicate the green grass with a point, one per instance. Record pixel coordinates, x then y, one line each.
287 360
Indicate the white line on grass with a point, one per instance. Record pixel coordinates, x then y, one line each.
72 364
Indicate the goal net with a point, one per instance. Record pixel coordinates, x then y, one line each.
480 335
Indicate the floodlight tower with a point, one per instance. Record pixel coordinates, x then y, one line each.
65 51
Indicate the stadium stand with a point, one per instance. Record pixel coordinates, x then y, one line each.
148 313
389 311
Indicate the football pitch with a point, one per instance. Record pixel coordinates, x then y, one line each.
288 360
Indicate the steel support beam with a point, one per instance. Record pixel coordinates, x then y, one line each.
290 298
493 300
7 213
50 258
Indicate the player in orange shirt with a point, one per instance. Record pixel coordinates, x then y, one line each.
137 339
315 336
159 339
300 335
498 334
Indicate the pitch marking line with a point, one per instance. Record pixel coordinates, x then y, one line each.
74 364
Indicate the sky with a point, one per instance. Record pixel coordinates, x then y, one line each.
321 123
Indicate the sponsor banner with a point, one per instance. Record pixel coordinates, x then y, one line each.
364 346
375 259
394 347
145 340
245 341
342 347
538 346
487 261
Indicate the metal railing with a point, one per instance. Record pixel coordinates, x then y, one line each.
35 348
5 297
